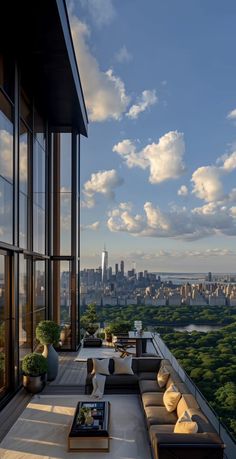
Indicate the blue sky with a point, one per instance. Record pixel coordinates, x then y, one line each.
158 168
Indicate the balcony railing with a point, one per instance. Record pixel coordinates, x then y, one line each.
164 351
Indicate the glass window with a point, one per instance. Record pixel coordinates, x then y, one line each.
6 170
39 292
26 109
23 183
4 323
25 313
39 129
65 194
62 299
39 198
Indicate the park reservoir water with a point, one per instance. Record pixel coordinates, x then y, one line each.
199 328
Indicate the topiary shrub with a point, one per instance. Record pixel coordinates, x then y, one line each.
34 364
48 332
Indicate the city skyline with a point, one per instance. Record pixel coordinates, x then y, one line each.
158 169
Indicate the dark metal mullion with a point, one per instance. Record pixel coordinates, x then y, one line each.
49 223
78 237
13 265
47 227
74 243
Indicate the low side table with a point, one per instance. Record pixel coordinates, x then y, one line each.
91 438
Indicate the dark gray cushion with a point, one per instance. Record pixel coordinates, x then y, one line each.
157 415
147 364
148 375
152 399
149 386
121 380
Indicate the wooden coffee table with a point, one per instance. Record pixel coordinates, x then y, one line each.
91 438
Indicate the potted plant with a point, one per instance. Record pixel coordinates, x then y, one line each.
89 319
48 333
34 367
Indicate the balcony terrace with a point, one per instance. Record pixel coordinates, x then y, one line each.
37 427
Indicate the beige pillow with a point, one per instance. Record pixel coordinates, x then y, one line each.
162 376
123 366
101 366
185 424
171 397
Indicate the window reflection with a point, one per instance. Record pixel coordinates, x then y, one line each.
39 198
25 315
39 292
6 170
23 183
4 324
62 299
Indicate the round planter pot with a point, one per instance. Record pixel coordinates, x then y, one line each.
52 357
34 384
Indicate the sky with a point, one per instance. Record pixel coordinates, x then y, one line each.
158 167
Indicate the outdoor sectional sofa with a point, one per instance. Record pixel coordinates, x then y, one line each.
165 444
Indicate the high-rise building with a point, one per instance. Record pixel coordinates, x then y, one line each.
122 268
116 269
104 265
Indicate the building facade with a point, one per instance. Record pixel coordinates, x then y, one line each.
42 115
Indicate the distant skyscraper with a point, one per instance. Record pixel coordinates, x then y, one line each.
104 265
116 269
122 267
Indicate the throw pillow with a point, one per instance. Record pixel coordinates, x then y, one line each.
185 424
162 376
123 366
171 398
101 366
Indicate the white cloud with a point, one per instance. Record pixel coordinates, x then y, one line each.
164 159
232 115
229 162
125 206
92 226
207 183
183 190
178 223
102 11
105 93
103 182
147 99
123 55
6 154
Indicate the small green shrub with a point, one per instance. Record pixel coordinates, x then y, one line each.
121 326
48 332
34 364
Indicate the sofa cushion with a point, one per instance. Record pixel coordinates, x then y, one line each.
162 376
201 420
121 380
148 364
148 375
152 399
101 366
171 398
123 366
186 401
149 386
157 415
162 428
185 424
